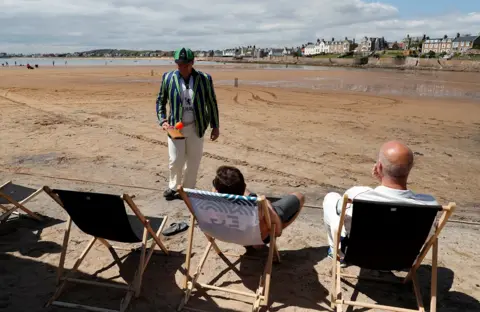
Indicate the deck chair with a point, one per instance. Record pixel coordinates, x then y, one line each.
397 237
16 195
104 217
222 217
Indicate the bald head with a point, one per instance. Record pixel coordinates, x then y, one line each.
396 160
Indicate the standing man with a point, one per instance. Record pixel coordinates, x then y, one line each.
191 97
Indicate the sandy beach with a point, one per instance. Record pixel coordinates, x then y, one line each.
311 131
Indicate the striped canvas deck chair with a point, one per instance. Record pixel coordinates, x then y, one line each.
396 236
104 217
232 219
13 197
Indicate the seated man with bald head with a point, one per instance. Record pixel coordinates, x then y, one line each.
395 160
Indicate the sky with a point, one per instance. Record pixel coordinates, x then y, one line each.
56 26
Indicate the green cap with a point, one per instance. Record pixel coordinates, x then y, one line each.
183 55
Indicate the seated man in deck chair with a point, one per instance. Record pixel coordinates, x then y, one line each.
393 166
230 180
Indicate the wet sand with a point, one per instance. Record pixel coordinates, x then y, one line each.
311 131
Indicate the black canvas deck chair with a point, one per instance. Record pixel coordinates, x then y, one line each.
225 218
389 236
13 197
104 217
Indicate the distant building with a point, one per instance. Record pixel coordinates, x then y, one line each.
395 45
412 43
260 53
322 47
287 51
437 45
463 43
309 50
372 44
340 47
247 51
230 52
275 52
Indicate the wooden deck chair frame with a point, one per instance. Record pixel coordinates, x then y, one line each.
432 242
261 296
17 205
133 289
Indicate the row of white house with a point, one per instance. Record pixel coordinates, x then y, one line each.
251 52
342 46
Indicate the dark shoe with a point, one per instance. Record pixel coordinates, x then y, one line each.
169 194
175 228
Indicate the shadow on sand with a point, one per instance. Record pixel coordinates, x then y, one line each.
22 234
402 295
294 282
28 277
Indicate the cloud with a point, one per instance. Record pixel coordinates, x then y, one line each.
71 25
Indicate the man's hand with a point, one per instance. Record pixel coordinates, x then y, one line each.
165 125
215 134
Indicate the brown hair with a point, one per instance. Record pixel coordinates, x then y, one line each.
229 180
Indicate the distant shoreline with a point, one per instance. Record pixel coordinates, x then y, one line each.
93 58
409 63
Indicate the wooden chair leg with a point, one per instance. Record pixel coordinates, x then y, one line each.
64 249
268 267
189 252
20 206
72 271
418 293
191 284
338 290
214 245
126 300
433 298
139 277
154 243
333 296
142 219
200 265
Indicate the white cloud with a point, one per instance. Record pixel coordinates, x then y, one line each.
76 25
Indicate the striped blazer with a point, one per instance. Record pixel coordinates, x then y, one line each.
204 100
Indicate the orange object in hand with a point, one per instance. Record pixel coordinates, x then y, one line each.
179 125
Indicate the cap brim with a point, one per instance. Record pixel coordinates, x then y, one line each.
183 61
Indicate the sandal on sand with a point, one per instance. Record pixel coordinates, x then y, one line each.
175 228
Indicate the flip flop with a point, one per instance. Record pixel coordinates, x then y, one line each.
175 228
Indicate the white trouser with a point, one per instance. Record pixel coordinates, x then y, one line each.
330 217
185 154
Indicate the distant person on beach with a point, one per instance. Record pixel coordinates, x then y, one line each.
395 160
230 180
192 101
